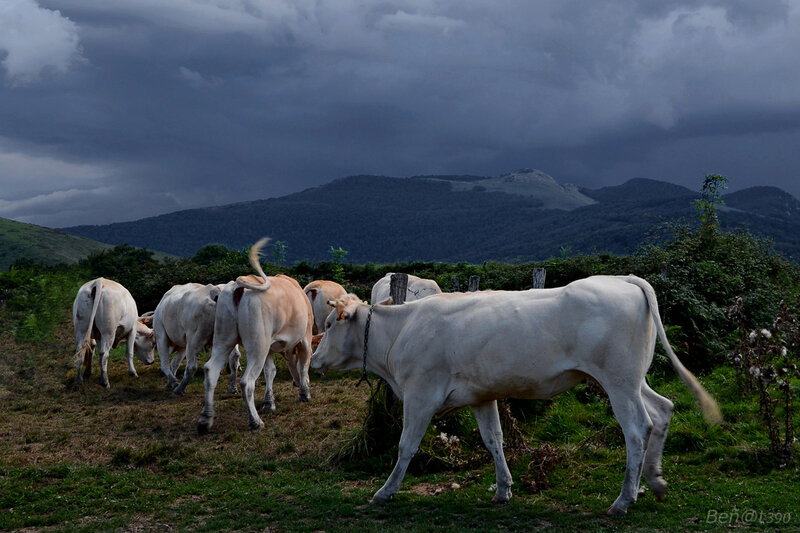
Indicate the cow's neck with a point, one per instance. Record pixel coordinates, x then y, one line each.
386 324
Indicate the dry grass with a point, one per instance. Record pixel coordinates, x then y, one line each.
46 419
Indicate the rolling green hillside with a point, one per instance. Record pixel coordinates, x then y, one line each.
19 240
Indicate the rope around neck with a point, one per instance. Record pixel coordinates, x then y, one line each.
364 376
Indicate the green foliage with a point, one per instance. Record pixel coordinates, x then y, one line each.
37 301
698 274
766 362
279 252
710 198
337 270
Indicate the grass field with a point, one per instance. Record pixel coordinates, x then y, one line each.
42 244
130 459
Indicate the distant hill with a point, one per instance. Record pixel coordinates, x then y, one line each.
524 215
18 240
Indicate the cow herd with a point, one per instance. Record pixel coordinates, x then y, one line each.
439 352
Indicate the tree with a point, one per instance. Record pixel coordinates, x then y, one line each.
710 199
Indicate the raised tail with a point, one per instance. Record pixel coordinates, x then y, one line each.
86 347
242 281
708 406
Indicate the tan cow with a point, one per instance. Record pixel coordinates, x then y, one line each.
448 351
264 315
183 323
319 293
417 289
104 314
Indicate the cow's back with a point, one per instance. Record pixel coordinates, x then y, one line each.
531 343
186 310
116 309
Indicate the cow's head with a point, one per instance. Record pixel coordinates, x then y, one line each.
342 343
145 343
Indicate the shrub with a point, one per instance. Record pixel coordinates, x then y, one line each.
767 362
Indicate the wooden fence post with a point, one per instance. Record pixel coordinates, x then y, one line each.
455 285
398 288
538 278
474 282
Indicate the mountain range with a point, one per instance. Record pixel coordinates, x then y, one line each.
523 215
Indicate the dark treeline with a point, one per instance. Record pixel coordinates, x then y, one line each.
697 274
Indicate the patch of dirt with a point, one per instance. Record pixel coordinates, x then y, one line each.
434 489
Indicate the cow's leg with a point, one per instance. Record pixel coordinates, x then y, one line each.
233 368
191 351
492 433
256 341
630 411
417 414
302 362
213 367
291 363
257 356
268 406
104 346
129 346
175 362
660 411
163 357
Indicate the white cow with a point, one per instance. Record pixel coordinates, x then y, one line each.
183 322
319 293
418 288
264 315
104 314
469 349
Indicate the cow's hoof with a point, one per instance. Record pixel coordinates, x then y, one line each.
204 426
502 495
267 409
105 384
378 497
256 425
177 391
305 397
659 488
233 391
295 383
616 511
87 374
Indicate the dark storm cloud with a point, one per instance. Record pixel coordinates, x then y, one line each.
158 105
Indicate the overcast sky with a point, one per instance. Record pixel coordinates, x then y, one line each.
114 110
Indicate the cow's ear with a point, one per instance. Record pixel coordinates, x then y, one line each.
387 301
316 339
312 293
346 307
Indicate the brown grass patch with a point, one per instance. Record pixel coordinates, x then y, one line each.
46 419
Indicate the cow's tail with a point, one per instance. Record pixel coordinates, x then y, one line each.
86 347
708 405
241 281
